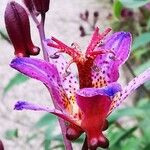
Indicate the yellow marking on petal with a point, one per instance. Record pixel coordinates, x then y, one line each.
115 102
75 111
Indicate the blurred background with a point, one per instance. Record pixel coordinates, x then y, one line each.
129 125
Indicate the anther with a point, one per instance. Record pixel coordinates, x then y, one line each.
75 46
66 74
54 56
101 43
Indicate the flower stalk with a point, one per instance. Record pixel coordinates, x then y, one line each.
40 26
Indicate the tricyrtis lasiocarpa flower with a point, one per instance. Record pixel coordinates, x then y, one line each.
87 99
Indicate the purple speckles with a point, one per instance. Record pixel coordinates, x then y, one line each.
20 105
133 85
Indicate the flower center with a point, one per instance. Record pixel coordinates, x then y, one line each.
85 61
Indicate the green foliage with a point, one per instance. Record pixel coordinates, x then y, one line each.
141 40
16 80
4 36
129 111
11 134
134 3
142 67
117 7
48 124
46 120
129 138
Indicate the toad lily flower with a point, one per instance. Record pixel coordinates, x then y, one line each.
85 101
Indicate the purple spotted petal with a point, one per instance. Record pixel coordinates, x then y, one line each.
108 64
23 105
130 88
69 81
37 69
109 90
43 71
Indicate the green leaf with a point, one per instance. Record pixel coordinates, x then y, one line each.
58 138
134 3
80 139
59 146
138 54
132 143
4 36
117 7
145 127
47 144
141 40
130 111
16 80
123 135
46 120
142 67
11 134
143 103
147 146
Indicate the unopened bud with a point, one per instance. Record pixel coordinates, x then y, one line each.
29 4
1 145
41 6
126 13
18 28
96 14
95 18
86 14
82 31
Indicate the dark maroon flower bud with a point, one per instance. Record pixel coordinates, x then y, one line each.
29 4
41 6
95 19
96 14
18 28
1 145
82 31
84 16
125 13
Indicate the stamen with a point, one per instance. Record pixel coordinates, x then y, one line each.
96 39
54 56
94 54
73 52
95 68
101 43
75 46
106 32
67 73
